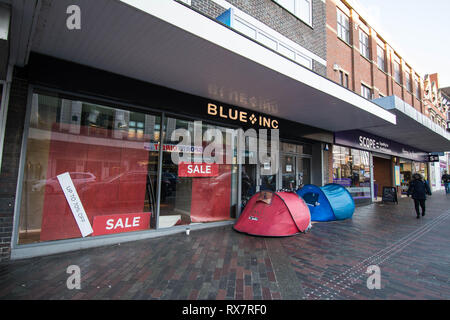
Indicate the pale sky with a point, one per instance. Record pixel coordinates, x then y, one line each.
418 30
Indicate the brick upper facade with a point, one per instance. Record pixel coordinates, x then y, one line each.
280 20
346 58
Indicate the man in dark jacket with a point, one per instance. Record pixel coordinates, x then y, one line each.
418 190
446 181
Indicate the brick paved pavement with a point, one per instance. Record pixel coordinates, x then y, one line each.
330 262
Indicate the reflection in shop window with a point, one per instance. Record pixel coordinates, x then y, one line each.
107 155
351 169
111 156
187 194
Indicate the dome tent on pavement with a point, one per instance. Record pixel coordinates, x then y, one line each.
328 203
274 214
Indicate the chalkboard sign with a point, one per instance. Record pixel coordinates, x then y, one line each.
389 194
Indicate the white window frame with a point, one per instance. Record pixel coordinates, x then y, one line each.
300 8
397 72
343 26
290 51
408 82
343 79
364 45
302 55
364 90
383 68
417 86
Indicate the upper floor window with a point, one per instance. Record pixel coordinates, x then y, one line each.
300 8
343 78
366 92
343 26
408 80
364 44
381 60
397 74
417 87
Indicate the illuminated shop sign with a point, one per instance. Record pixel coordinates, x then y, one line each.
232 113
362 140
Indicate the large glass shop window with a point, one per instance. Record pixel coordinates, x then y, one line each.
90 170
197 190
351 169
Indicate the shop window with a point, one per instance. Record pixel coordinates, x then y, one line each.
351 169
106 153
343 26
187 194
109 157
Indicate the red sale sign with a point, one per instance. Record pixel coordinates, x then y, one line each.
118 223
198 169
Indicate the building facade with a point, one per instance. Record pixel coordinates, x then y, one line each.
362 60
97 93
92 115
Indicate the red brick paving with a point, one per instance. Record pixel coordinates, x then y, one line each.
329 262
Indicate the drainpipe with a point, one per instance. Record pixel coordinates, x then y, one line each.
4 109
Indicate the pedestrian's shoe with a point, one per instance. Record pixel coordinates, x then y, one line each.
418 217
423 213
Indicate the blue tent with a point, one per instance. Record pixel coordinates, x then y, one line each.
328 203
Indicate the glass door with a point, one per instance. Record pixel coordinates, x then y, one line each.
288 172
303 172
249 178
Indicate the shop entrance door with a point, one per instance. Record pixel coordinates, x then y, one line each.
295 171
255 179
303 171
249 177
289 172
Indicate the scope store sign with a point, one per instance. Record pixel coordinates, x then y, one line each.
362 140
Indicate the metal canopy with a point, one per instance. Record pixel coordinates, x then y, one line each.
413 128
167 43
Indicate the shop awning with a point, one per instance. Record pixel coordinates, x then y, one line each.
413 128
169 44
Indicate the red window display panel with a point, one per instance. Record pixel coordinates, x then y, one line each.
211 196
118 223
116 183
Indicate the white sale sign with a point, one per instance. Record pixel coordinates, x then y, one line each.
75 204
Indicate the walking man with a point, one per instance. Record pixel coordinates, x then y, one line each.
446 181
418 190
